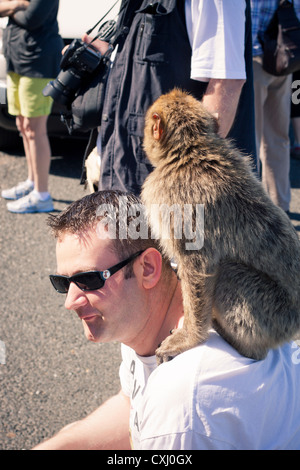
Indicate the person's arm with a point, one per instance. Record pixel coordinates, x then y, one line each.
218 54
9 7
221 99
36 15
107 428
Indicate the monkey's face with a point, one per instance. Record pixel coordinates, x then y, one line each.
175 121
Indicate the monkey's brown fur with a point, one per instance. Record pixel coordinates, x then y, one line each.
245 280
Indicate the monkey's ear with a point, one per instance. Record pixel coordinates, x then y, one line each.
157 127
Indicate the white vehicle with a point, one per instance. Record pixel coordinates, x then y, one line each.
75 18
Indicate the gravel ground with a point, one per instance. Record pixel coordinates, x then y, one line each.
52 375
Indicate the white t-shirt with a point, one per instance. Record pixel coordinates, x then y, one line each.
210 397
216 30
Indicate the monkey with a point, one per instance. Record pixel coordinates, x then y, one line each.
244 279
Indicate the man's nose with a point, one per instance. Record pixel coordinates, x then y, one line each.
76 298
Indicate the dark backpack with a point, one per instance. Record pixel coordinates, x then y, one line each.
281 41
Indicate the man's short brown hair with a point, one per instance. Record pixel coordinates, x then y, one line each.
84 214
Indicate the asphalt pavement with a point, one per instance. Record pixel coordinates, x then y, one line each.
52 375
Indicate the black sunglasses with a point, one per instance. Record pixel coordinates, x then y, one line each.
90 280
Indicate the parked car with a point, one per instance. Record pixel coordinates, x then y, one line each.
74 18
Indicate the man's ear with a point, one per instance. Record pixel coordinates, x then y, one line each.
157 127
149 266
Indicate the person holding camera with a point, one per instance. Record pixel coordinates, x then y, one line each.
32 47
202 47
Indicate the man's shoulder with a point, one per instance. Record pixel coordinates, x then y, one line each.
179 382
177 388
206 358
211 393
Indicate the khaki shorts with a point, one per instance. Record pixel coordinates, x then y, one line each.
25 97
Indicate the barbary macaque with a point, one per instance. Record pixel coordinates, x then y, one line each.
245 279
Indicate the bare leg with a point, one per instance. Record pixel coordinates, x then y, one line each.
20 126
37 150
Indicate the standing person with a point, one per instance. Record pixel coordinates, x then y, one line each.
210 397
272 111
32 46
202 47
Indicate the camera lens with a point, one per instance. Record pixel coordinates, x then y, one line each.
63 88
78 64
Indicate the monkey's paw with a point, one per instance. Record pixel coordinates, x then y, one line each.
171 347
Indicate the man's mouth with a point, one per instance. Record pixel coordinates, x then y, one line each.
88 318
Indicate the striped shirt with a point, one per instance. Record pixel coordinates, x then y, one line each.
262 12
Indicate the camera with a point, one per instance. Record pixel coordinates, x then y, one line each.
78 64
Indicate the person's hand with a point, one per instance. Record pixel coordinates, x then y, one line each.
101 46
23 4
17 5
10 7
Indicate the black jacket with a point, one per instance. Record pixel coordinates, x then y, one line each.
32 44
154 56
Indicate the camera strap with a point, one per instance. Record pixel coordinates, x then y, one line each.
107 29
103 17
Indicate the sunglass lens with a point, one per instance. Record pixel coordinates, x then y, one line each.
59 283
89 281
85 281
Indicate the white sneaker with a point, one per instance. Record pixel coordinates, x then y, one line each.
21 190
30 204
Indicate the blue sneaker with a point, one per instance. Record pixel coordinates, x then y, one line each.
30 204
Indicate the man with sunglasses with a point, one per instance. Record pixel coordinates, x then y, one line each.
124 290
117 289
